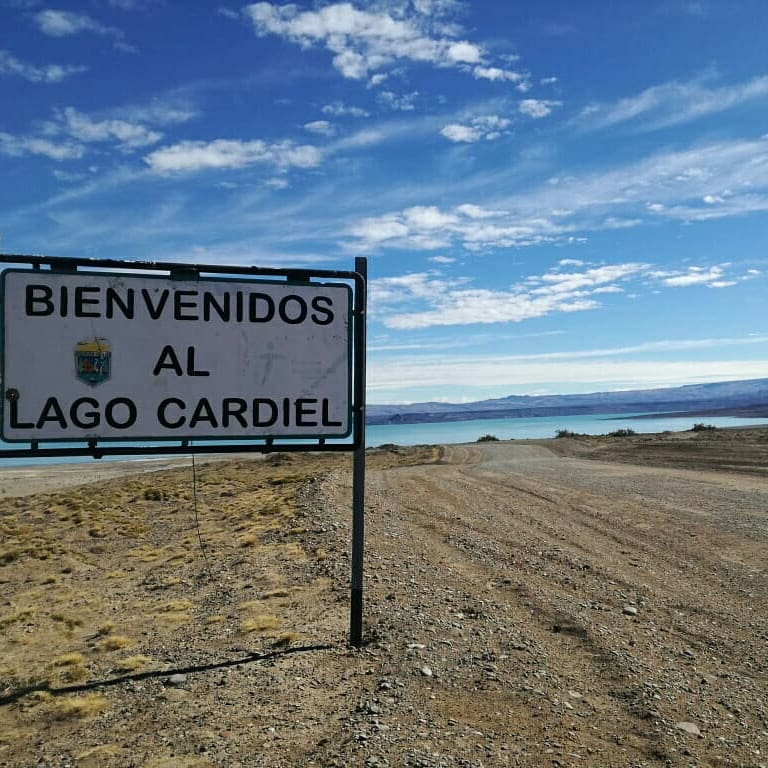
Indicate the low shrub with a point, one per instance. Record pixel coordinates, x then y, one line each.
487 438
568 433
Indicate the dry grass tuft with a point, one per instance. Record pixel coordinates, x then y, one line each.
12 618
275 593
113 643
133 663
75 674
69 621
79 706
262 623
120 553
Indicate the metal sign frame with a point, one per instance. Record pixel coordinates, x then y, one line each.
181 271
359 278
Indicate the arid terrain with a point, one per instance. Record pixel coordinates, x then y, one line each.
572 602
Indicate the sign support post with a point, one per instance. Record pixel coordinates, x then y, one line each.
358 461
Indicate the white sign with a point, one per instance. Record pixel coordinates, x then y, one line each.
139 357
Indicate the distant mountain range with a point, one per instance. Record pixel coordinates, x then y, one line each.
727 398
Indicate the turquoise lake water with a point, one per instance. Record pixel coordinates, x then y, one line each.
503 429
538 427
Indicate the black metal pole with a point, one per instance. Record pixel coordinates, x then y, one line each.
358 459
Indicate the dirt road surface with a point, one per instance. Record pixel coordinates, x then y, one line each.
525 605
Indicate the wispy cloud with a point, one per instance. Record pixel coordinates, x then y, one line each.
19 146
402 102
48 73
449 305
340 109
662 346
126 134
193 156
425 373
57 23
67 135
705 182
321 127
471 226
425 300
674 103
714 276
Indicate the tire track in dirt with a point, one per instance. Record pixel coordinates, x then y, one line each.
544 618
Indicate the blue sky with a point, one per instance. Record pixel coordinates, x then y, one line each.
553 196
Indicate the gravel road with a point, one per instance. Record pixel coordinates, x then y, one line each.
525 605
571 612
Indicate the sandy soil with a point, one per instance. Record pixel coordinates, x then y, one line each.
576 602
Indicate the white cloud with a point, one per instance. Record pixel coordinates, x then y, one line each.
451 304
156 112
537 108
321 127
127 135
49 73
477 211
380 229
472 226
228 13
426 217
67 135
465 53
433 301
497 74
461 133
339 109
64 23
674 103
487 127
669 184
425 373
15 146
400 102
404 288
712 276
363 42
190 156
436 8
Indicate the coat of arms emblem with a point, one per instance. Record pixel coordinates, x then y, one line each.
93 360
